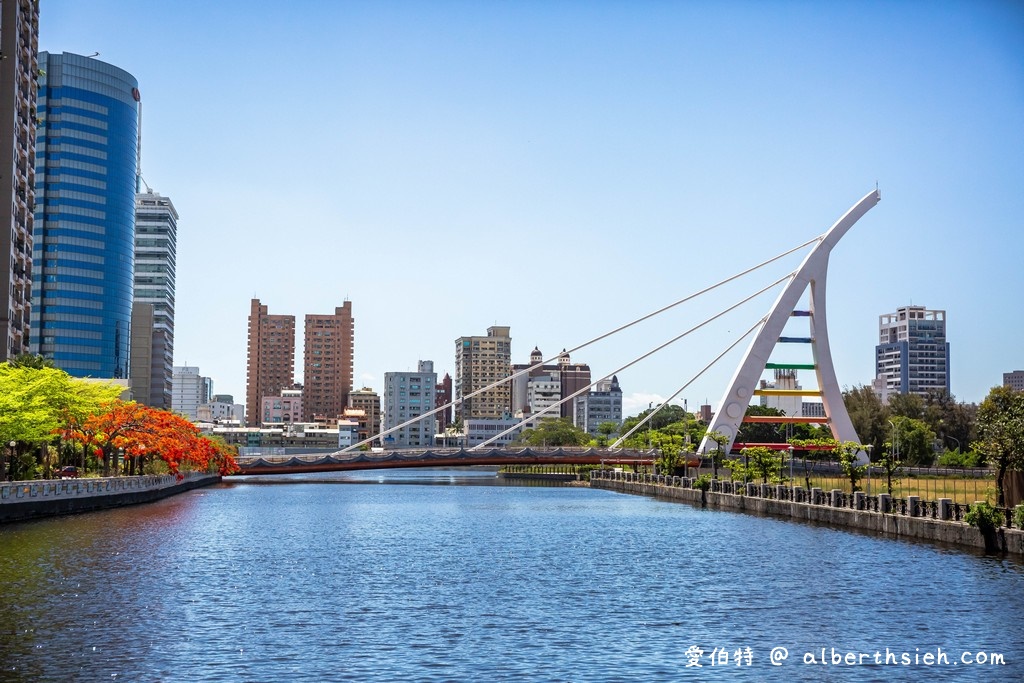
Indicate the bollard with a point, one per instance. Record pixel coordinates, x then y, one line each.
836 498
781 492
751 487
858 500
945 508
884 503
912 502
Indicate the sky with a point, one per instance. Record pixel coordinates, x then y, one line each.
565 167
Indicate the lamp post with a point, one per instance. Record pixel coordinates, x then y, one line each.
869 447
10 470
792 484
960 450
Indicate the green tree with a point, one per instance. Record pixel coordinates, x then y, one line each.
890 464
718 454
555 432
36 404
868 414
847 455
1001 433
812 451
907 405
763 462
915 441
27 360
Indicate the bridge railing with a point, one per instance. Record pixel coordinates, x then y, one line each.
944 509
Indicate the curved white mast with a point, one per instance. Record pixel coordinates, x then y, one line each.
812 273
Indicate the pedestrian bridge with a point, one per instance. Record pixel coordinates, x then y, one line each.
438 457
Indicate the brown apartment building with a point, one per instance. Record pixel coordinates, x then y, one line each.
271 359
328 354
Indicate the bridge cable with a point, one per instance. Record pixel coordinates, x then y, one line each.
692 380
584 345
640 358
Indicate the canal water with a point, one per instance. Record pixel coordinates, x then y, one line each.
431 575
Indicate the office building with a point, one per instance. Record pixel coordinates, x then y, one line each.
479 363
912 355
84 231
189 390
19 45
1014 380
328 362
156 239
271 359
407 395
603 403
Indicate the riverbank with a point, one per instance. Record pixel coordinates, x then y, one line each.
34 499
901 519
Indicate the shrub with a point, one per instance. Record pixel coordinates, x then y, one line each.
984 516
1018 516
703 482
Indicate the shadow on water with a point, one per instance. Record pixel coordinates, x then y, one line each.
485 475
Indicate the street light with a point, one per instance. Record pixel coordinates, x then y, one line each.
10 470
792 484
869 447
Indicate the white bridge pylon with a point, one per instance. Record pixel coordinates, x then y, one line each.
811 274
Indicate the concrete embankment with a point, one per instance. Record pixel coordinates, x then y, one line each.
828 512
33 499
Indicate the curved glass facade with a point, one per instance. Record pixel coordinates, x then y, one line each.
84 236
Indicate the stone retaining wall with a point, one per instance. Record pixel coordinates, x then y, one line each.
922 528
31 499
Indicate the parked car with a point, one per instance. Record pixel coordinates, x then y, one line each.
68 472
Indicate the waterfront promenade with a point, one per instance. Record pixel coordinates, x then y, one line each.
22 500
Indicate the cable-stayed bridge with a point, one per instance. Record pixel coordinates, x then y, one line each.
730 413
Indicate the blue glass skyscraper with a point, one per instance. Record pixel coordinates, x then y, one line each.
84 235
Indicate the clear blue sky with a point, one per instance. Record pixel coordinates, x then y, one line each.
565 167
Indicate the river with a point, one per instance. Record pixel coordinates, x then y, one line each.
435 575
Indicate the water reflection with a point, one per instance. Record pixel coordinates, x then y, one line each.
297 578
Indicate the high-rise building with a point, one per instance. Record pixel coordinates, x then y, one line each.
480 362
1014 380
19 45
912 355
407 395
156 239
271 359
189 390
574 377
327 376
84 232
443 396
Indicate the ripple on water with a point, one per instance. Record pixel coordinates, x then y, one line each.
313 581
